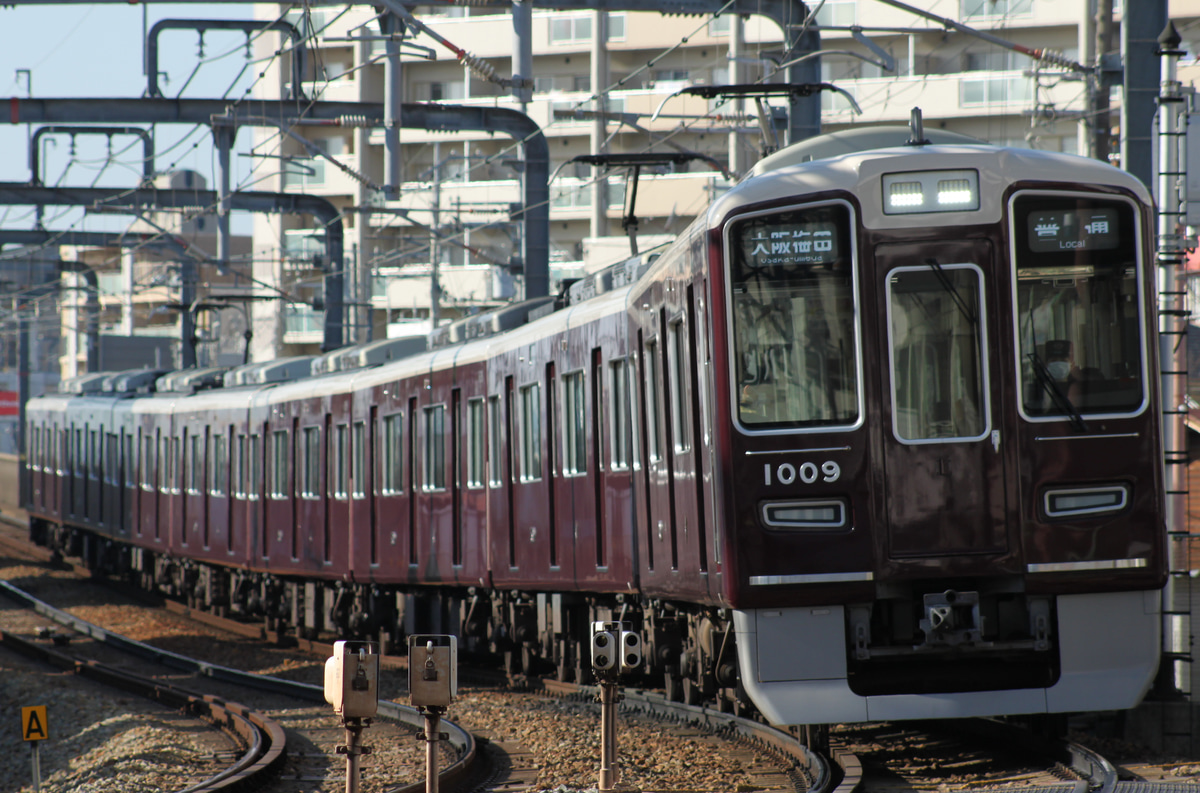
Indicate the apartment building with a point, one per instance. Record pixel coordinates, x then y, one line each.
450 243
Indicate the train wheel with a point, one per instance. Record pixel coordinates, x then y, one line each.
691 692
816 738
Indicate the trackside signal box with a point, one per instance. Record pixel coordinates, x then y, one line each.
432 670
352 680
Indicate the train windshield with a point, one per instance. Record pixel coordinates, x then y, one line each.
795 346
1079 309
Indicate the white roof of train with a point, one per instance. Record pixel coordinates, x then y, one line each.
861 173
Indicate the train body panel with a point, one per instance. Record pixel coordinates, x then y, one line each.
877 436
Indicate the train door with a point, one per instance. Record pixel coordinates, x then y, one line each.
946 480
582 507
338 528
129 475
363 548
147 465
662 550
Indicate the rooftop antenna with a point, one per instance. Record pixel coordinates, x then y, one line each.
917 127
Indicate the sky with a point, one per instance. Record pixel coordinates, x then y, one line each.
96 50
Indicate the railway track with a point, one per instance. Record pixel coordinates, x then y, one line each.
779 759
970 754
879 758
264 762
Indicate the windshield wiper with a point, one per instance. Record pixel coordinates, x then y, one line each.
948 285
1060 400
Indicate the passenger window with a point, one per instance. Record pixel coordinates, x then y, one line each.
279 464
475 448
793 312
573 420
339 484
679 358
495 431
393 454
219 478
531 433
1079 305
358 460
435 448
651 369
935 331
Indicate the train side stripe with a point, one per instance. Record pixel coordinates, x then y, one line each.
815 578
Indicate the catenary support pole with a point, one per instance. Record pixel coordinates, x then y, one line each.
1172 319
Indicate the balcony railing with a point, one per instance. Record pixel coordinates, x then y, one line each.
303 320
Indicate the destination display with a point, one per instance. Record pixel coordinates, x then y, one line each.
783 244
1056 230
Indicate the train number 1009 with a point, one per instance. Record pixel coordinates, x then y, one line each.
786 473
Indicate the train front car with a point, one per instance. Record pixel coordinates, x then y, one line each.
940 434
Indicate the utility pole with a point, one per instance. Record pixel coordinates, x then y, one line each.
435 287
1101 117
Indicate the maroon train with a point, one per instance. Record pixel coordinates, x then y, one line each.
877 437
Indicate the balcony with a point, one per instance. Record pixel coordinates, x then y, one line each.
302 324
315 175
946 96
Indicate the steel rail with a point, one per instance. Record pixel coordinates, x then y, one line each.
460 740
263 737
819 775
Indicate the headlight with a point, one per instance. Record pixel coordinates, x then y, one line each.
930 191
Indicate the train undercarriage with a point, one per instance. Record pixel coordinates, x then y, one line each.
688 650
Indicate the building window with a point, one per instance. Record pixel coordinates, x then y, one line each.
974 9
475 449
440 91
278 486
435 448
393 455
840 13
574 433
531 433
310 487
994 90
571 29
616 27
576 28
671 75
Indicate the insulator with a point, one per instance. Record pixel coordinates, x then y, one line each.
481 67
353 121
1057 58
